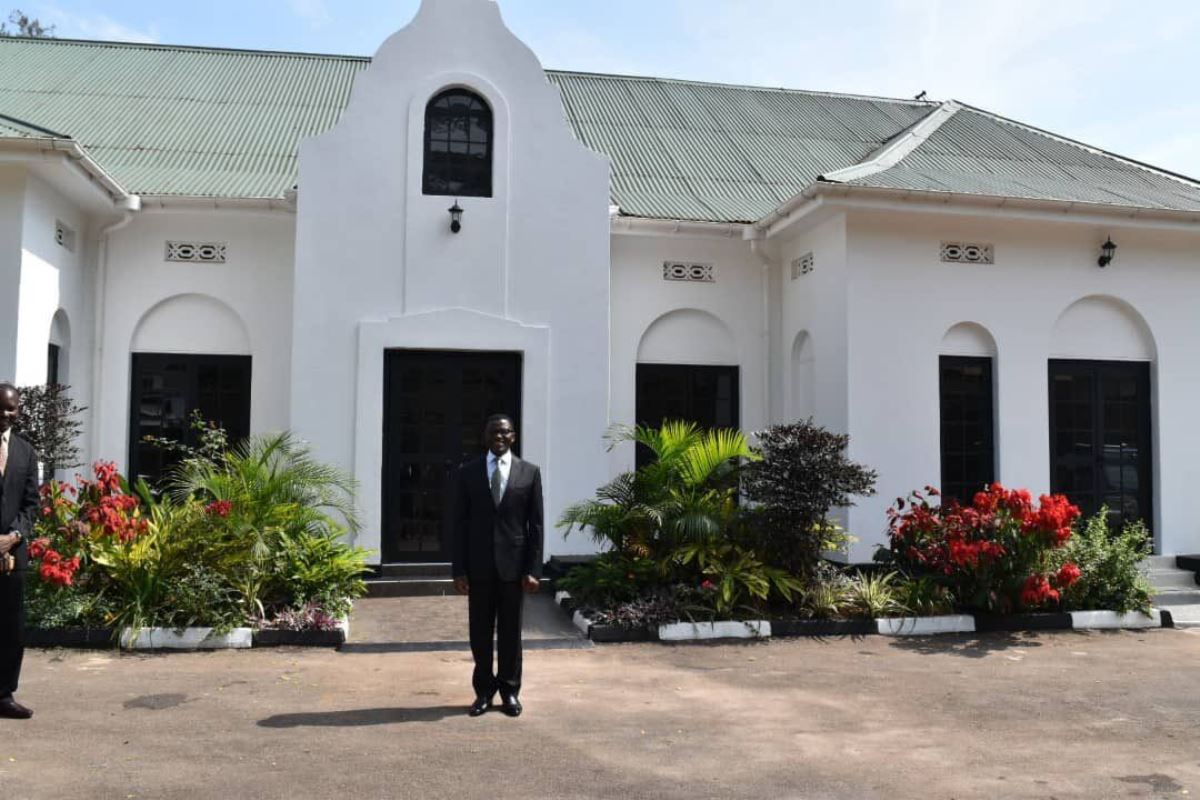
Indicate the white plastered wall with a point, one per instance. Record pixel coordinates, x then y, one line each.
197 308
12 214
685 322
377 266
903 299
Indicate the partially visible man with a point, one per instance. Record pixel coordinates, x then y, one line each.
497 555
18 507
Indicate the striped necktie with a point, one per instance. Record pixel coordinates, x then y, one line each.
497 484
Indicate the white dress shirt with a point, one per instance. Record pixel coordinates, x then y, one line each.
505 464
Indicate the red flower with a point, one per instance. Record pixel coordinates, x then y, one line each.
1067 575
708 585
219 508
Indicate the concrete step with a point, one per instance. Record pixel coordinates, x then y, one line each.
1159 562
1172 578
422 587
1179 597
435 569
409 587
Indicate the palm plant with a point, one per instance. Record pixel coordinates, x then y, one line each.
273 481
685 495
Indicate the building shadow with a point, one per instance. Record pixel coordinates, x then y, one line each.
362 717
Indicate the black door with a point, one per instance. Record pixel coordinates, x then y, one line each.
436 403
705 395
1100 437
167 387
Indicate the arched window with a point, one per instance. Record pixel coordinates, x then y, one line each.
458 145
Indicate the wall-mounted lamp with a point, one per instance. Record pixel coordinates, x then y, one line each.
1108 251
455 217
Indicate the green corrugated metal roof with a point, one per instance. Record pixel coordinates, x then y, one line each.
189 121
979 153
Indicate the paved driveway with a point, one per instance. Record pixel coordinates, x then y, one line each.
1050 715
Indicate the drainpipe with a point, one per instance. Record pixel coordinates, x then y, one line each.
758 249
129 205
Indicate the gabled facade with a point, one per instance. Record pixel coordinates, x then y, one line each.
267 237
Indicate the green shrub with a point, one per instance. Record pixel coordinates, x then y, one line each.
924 596
317 569
610 579
874 595
1111 576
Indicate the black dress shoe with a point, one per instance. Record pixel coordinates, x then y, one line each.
511 706
11 709
480 706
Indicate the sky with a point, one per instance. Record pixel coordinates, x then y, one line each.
1123 75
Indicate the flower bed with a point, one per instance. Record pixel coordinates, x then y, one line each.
246 539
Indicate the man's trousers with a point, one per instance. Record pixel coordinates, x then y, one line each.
12 630
494 607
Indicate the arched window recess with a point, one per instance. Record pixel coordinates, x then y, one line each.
458 145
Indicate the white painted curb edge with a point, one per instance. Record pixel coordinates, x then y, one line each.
583 623
187 639
925 626
697 631
1111 620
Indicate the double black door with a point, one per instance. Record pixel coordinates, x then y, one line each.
1100 437
436 403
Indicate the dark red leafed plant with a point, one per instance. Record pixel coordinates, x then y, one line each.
994 553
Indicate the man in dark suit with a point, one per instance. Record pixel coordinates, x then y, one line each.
497 557
18 506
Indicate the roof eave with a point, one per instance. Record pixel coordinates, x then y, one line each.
71 152
819 195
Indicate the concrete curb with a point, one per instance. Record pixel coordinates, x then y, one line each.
186 639
701 631
884 626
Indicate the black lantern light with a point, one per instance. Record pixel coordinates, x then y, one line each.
1107 251
456 218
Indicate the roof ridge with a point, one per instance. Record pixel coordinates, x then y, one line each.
50 40
897 148
1190 182
846 95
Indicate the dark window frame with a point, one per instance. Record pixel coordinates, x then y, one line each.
686 376
53 364
194 396
459 145
966 466
1146 475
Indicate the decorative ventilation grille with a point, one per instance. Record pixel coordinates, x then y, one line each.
204 252
802 265
64 236
967 253
682 271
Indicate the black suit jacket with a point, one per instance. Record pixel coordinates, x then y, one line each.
19 501
507 537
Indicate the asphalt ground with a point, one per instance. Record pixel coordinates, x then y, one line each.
1056 714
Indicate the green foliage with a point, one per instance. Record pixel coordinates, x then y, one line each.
50 422
49 606
925 597
243 536
611 579
274 483
320 569
736 577
874 595
685 495
826 593
802 475
1111 576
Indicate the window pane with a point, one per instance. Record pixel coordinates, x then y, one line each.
967 430
458 145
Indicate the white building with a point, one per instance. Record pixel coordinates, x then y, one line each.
266 236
